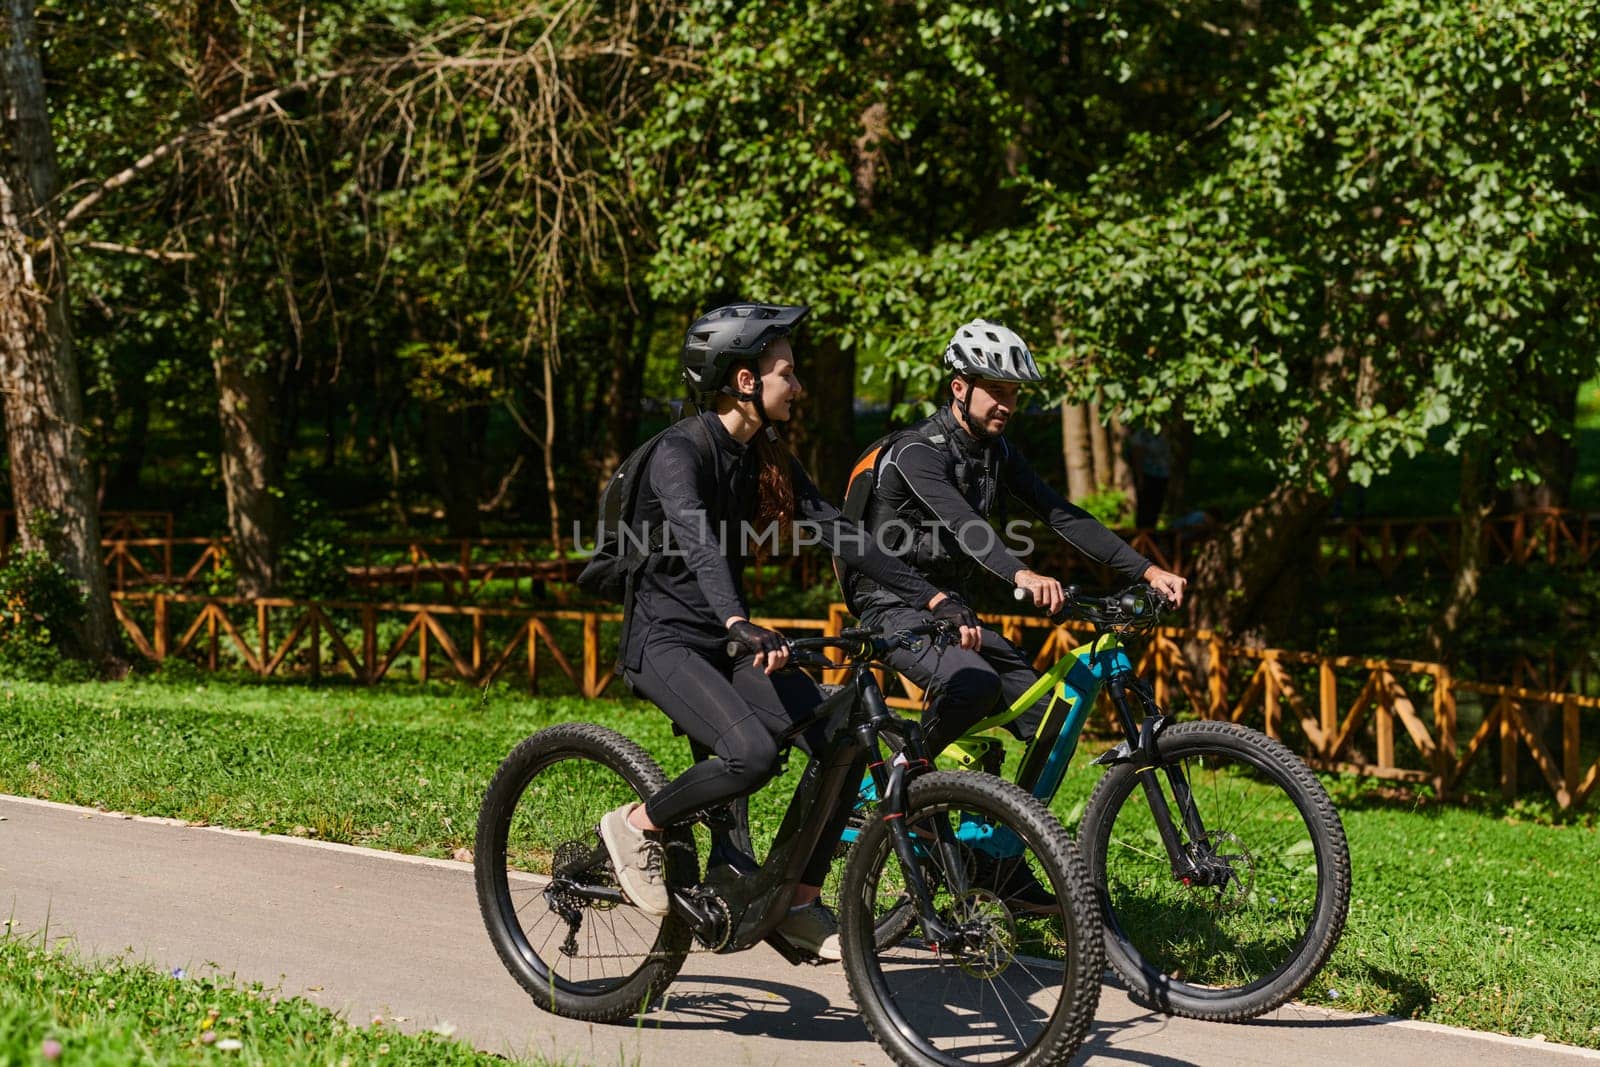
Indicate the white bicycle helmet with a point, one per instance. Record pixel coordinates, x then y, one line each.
984 349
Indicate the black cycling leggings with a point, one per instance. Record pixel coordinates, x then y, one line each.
737 712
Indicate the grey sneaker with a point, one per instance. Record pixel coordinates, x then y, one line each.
814 929
636 859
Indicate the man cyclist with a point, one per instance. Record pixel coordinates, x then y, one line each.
937 484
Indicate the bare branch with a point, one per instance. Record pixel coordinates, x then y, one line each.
159 254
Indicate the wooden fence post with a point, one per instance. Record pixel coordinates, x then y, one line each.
477 644
316 645
161 627
1327 706
1508 751
1571 758
1216 681
263 638
369 641
1269 691
211 634
533 658
422 648
591 654
1444 728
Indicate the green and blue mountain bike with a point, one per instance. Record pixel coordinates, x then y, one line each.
1219 860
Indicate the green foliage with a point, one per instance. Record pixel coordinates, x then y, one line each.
1111 506
313 562
1397 221
40 602
843 153
123 1011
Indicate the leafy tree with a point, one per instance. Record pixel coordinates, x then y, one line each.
42 399
1395 223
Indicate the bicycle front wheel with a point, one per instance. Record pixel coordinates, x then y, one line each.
576 955
1262 885
1020 981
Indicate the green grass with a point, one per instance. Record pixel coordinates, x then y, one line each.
1473 917
121 1012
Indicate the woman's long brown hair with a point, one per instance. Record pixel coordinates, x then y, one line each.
775 499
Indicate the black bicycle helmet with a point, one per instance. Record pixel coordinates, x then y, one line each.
732 334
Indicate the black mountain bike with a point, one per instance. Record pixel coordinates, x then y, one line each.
982 982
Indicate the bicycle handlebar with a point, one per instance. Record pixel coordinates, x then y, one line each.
860 644
1138 605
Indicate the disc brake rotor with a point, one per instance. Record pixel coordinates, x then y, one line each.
1226 856
989 930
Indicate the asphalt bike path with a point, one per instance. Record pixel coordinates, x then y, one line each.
372 933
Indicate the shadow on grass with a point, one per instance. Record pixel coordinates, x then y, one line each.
1369 794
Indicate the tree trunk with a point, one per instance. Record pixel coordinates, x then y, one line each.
824 434
1180 434
1121 471
1076 450
249 470
622 400
897 396
1476 504
1100 447
43 401
1244 580
1552 454
550 452
247 387
455 443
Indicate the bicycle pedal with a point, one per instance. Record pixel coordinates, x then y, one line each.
791 952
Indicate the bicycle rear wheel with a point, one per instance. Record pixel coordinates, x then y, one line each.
1268 907
1019 986
579 957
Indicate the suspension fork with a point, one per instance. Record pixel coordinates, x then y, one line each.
892 791
1148 761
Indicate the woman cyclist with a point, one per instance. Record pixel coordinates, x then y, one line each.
708 481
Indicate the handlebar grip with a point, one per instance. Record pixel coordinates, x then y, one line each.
734 649
1069 593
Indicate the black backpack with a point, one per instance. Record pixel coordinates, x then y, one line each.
857 495
864 479
621 550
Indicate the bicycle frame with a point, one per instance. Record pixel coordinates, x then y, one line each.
1072 683
743 911
1071 686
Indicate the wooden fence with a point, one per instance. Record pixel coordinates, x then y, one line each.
1399 720
114 525
521 570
